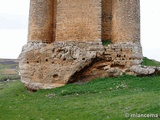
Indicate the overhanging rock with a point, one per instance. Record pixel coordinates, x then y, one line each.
45 66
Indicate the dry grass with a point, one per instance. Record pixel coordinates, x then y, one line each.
8 71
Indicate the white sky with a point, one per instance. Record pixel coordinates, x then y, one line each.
14 24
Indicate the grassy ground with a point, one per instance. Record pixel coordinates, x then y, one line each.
149 62
100 99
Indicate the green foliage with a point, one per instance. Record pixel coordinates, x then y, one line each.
149 62
106 42
100 99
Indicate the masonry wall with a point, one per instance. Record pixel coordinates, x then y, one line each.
78 20
42 20
106 19
77 55
126 21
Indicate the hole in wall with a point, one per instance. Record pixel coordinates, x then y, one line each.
46 60
55 76
74 58
118 55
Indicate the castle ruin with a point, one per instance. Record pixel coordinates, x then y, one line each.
65 41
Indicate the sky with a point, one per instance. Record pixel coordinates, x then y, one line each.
14 27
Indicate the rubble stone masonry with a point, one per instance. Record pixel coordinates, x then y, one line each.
65 42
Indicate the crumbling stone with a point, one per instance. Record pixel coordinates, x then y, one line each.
112 72
65 42
52 65
158 70
139 70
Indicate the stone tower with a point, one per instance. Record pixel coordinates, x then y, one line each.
65 41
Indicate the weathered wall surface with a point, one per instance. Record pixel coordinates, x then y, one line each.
77 54
78 20
114 60
42 20
106 19
46 66
126 21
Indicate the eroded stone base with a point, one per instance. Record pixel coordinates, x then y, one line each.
45 66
